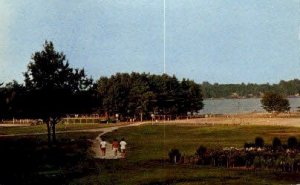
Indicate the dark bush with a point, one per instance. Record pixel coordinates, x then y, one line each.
259 142
292 142
174 156
276 143
201 151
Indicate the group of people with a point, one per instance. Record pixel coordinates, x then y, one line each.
115 147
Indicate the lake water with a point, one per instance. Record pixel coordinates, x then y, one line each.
232 106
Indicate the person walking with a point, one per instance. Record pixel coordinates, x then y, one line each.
123 147
115 147
103 147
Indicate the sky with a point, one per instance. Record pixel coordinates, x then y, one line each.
219 41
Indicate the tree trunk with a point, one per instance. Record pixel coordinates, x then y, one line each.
53 132
48 132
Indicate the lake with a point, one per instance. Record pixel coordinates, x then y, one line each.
232 106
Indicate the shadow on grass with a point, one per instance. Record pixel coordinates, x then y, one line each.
28 160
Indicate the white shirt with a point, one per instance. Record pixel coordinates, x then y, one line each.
103 144
123 145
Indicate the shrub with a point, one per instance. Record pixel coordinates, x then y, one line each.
259 142
201 151
174 156
292 142
276 143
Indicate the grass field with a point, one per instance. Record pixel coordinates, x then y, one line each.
42 128
27 158
148 151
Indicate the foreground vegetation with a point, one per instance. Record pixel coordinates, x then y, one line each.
30 161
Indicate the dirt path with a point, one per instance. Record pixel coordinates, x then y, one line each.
109 153
96 146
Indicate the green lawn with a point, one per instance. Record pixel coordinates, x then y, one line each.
28 160
43 128
148 152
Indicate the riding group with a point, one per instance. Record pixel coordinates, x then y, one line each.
115 147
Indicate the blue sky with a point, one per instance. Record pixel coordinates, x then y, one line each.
222 41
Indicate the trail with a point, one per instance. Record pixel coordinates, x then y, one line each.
109 152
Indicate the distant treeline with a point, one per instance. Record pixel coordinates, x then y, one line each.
250 90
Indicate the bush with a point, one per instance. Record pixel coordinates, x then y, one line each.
201 151
292 142
174 156
259 142
276 143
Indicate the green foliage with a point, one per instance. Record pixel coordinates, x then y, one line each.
9 96
274 102
50 70
134 94
54 89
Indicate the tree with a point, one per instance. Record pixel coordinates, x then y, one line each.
190 97
54 89
273 102
3 102
10 104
